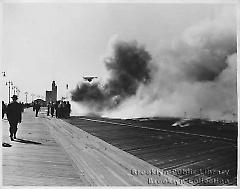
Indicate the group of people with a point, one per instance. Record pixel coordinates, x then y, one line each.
13 110
62 109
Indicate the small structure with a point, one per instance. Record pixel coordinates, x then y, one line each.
51 96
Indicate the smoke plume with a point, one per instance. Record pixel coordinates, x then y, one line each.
128 67
195 75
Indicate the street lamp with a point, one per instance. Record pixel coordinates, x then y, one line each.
18 91
26 93
32 96
9 84
15 89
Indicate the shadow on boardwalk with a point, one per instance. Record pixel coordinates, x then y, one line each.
4 144
27 141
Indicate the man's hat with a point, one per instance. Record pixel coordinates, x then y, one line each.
14 97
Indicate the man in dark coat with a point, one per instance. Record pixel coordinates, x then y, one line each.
52 109
37 108
14 115
57 109
48 108
68 109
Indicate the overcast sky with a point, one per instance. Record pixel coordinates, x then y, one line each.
65 41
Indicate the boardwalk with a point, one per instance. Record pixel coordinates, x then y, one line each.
51 152
35 158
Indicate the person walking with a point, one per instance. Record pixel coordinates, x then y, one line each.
48 108
52 109
68 109
14 116
37 108
60 109
57 109
22 106
64 109
34 106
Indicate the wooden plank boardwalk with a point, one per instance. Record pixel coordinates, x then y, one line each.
198 159
51 152
35 159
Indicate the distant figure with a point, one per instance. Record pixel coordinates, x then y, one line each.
57 108
64 109
37 108
22 106
61 109
14 115
68 109
34 104
4 109
52 109
48 109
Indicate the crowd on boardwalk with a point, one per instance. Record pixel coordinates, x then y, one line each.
59 109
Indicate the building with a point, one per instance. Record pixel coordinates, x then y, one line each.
51 96
48 96
54 92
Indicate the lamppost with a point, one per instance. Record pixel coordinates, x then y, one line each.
15 89
9 84
18 91
26 93
32 96
67 91
4 74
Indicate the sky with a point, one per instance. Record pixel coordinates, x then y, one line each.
43 42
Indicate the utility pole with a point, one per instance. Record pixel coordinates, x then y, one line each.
9 84
26 93
15 89
66 91
18 91
32 96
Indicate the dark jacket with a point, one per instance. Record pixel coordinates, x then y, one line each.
37 107
14 112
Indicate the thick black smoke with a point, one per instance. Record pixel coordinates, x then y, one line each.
128 67
90 94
